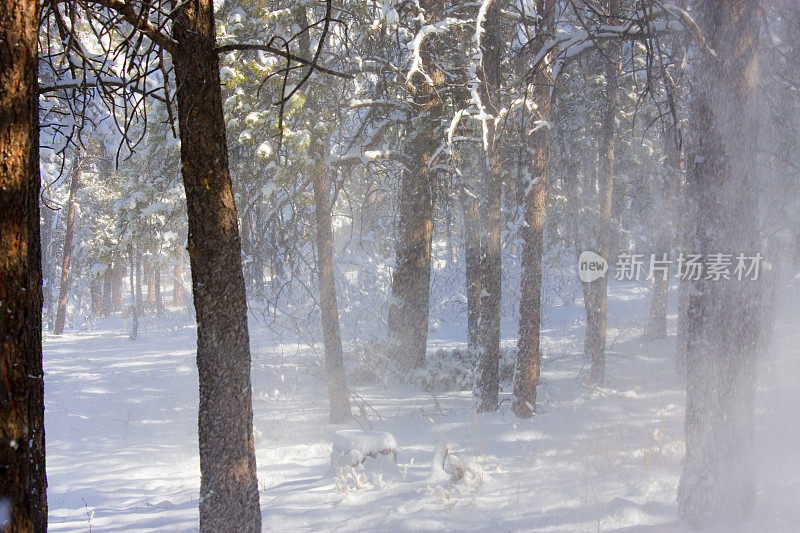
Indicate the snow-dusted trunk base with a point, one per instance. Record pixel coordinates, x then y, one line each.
229 498
717 484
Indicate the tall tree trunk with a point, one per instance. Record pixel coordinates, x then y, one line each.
338 394
22 466
96 292
49 220
472 261
150 276
229 498
657 319
334 364
118 276
159 297
672 191
177 284
139 301
717 484
107 288
530 307
409 306
75 180
685 235
487 386
596 292
134 333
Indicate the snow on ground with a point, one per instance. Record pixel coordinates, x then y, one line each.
122 445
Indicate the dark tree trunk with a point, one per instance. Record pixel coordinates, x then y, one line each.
408 309
69 232
229 498
22 466
472 261
596 292
487 386
717 484
527 371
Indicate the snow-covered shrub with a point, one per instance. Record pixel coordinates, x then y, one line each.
351 447
444 370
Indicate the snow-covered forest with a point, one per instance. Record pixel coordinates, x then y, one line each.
399 265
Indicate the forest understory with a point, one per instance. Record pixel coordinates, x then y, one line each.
122 434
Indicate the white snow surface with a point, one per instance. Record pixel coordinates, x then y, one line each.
121 428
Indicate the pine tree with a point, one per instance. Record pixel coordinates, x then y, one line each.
717 484
228 485
22 453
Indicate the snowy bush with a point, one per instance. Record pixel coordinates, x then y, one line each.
444 370
351 447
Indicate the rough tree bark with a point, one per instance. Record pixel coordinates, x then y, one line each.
23 481
487 386
717 483
229 498
526 375
408 309
69 232
472 261
596 292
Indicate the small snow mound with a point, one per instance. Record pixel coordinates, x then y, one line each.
447 466
351 447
